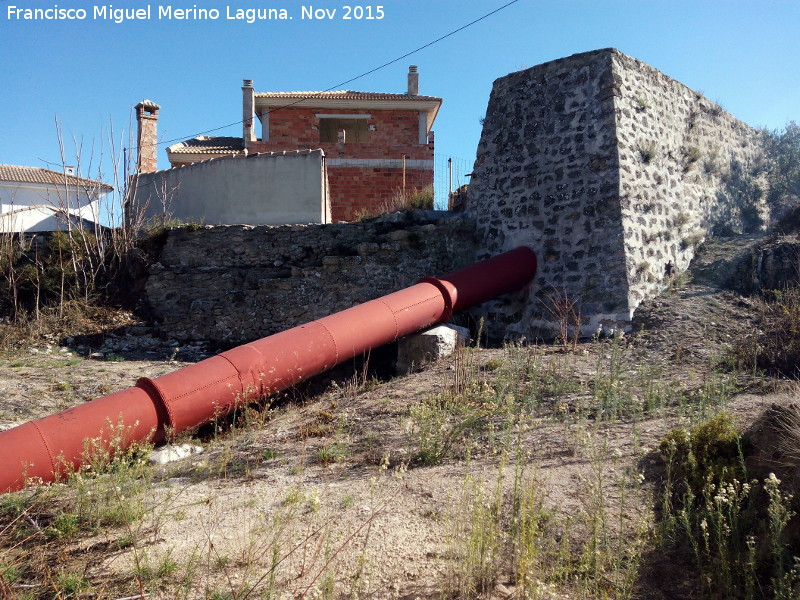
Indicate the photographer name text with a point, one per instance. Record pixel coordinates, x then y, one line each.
112 14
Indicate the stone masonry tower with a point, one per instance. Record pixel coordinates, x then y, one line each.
147 139
614 174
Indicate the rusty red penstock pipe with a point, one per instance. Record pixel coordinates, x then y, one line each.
45 449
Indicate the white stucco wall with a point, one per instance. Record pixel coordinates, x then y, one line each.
33 206
261 189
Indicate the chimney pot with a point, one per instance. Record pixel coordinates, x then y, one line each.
248 111
413 81
147 138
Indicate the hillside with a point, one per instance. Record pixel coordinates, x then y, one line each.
523 471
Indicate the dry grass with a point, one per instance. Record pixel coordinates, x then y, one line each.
401 200
476 431
526 470
775 345
53 324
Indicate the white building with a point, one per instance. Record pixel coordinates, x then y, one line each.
33 199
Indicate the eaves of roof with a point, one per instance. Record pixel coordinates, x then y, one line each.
348 100
346 95
19 174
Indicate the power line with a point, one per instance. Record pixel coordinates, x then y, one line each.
343 83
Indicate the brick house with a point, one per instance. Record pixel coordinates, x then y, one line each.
376 145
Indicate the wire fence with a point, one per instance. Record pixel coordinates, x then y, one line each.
449 174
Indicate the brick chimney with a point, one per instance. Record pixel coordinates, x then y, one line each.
147 142
248 111
413 81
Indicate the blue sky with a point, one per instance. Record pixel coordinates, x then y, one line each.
89 74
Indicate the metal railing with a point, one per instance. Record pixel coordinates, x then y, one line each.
449 174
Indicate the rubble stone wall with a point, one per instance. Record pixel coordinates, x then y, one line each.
687 169
613 173
238 283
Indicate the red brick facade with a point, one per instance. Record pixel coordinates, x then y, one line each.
357 192
360 189
396 132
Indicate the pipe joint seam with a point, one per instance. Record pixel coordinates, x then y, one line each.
449 301
394 318
157 396
333 340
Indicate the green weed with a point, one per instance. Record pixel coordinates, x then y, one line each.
612 396
731 527
648 152
331 453
270 453
71 585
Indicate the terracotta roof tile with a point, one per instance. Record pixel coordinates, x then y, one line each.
208 145
343 95
46 176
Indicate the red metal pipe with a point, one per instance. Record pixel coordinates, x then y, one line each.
155 409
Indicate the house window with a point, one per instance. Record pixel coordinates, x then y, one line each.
355 130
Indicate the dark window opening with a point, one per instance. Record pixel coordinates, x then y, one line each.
355 130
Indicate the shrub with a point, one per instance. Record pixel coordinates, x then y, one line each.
691 241
411 199
751 217
789 221
733 529
708 451
783 151
775 347
690 156
66 266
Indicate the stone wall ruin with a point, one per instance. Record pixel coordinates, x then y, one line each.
234 284
610 170
613 173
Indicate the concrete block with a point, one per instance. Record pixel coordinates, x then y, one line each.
428 346
169 453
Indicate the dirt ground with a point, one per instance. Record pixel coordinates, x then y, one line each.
335 477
